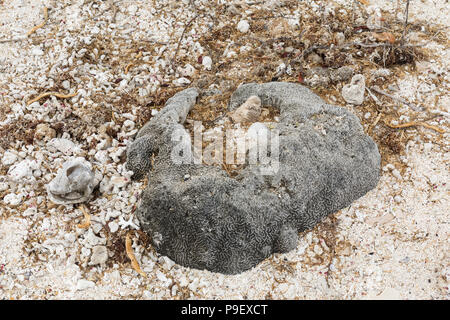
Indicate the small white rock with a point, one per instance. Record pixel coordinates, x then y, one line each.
181 82
91 240
99 255
3 186
243 26
113 226
387 294
66 84
397 174
119 182
23 170
29 212
37 52
340 38
132 9
318 249
13 199
63 145
354 92
128 125
83 284
207 63
8 158
44 132
101 156
249 111
187 71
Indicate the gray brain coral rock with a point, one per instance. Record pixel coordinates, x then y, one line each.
223 224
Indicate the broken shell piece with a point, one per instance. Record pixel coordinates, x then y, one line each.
249 111
354 92
74 183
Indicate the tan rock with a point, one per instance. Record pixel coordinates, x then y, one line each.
279 28
249 111
44 132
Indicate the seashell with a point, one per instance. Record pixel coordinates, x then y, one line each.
249 111
74 183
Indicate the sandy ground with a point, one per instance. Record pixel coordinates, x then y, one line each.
393 243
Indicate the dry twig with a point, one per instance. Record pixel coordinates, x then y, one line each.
33 30
411 105
114 9
406 21
19 38
181 38
56 94
415 124
374 123
131 256
128 66
87 218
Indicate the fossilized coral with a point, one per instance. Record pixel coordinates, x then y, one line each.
212 221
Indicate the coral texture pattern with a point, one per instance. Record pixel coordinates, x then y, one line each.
229 224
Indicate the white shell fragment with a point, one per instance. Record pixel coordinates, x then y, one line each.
249 111
354 92
74 183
